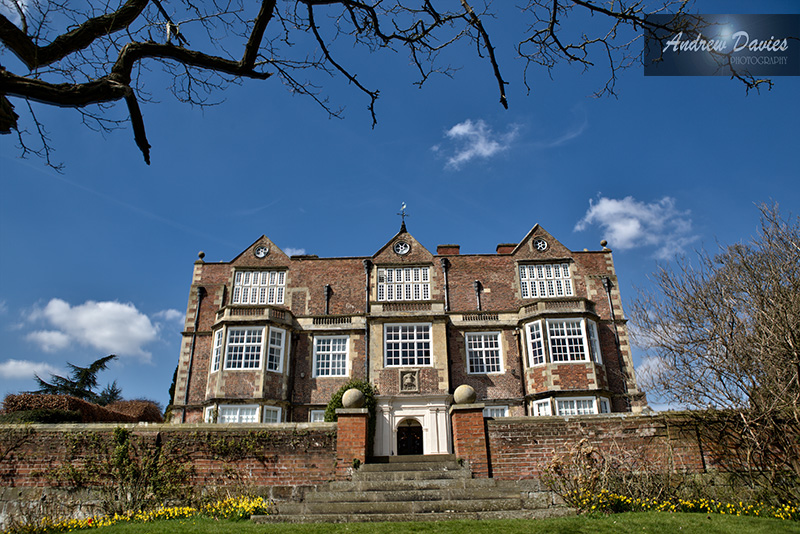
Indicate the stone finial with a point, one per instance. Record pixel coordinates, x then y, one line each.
464 394
353 398
200 256
603 243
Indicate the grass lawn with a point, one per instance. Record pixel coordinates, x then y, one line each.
612 524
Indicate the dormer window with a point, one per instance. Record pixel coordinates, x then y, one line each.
259 287
404 283
545 280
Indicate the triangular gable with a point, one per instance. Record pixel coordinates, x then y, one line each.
527 249
417 253
274 257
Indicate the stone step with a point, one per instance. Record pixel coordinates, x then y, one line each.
405 485
411 458
538 513
416 488
410 466
429 494
360 475
405 507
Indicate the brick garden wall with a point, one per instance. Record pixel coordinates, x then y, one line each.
249 455
520 447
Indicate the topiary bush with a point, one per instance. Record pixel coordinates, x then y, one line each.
370 402
42 415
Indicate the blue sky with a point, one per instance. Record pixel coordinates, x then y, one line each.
98 260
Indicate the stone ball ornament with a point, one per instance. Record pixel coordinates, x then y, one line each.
353 398
464 394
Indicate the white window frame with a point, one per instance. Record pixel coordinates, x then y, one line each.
593 334
316 416
403 283
229 344
237 412
604 405
495 411
275 351
535 340
545 280
487 359
542 408
269 412
583 347
580 406
422 347
216 351
208 414
330 356
567 340
258 287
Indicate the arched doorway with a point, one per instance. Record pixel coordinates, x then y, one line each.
409 437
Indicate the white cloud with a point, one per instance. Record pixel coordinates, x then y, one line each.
49 340
475 140
23 369
169 315
289 251
3 307
109 327
629 223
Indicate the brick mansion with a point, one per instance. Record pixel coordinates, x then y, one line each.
535 328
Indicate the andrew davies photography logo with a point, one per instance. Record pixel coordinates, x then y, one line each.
723 45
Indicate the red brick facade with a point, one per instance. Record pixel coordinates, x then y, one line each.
473 320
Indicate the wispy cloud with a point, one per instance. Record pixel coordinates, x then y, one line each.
628 223
109 327
564 138
289 251
23 369
169 316
475 140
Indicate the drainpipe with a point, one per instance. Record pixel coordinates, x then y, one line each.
200 294
445 263
328 293
608 286
367 269
477 285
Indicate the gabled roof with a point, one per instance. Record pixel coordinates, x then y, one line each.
274 257
416 253
526 249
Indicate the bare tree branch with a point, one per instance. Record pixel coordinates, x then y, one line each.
77 54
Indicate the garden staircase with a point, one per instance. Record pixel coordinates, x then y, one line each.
417 488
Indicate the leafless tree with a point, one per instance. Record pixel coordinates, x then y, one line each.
88 54
724 335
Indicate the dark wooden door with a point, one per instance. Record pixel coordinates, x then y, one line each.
409 439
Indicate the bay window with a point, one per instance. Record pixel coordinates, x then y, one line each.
567 340
245 347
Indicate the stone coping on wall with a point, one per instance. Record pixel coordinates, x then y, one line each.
625 416
169 427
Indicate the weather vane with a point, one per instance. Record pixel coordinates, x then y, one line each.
402 213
